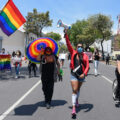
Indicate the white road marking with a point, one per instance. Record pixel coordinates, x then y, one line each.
110 81
20 100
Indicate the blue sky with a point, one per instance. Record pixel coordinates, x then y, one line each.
69 10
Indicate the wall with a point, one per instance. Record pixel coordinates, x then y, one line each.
14 42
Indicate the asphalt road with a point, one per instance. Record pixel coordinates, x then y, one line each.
22 99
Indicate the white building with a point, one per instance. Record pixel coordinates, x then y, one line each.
14 42
107 46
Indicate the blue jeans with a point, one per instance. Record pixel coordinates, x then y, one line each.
73 78
17 69
96 62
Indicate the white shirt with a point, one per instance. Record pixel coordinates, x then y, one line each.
16 59
62 56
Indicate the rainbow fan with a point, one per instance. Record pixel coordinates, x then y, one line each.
34 48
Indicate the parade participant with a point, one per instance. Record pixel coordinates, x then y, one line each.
13 54
79 67
49 68
3 51
12 58
62 58
69 57
17 61
32 66
117 72
107 59
5 60
60 76
96 58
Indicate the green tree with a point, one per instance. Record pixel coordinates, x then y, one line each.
55 36
102 25
92 49
63 48
82 32
35 22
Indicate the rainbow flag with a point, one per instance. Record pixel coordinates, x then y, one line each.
10 18
5 62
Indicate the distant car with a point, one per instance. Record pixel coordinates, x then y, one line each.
90 56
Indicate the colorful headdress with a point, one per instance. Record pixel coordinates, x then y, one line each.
34 48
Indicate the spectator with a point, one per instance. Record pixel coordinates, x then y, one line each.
3 51
17 61
107 59
32 66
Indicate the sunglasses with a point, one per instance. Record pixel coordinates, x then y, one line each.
79 46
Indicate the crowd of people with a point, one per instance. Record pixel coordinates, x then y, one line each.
52 65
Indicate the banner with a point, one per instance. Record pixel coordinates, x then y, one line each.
5 62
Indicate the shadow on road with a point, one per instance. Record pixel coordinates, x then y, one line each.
30 109
91 74
58 102
86 106
10 75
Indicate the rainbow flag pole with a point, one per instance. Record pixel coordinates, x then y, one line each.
10 18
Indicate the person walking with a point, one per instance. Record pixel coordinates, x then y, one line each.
117 73
107 59
96 58
12 60
62 57
79 67
69 57
17 62
12 57
32 66
49 67
3 52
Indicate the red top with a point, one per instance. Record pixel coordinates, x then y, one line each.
73 53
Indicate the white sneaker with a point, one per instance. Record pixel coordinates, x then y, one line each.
16 76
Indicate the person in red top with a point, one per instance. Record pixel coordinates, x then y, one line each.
79 68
